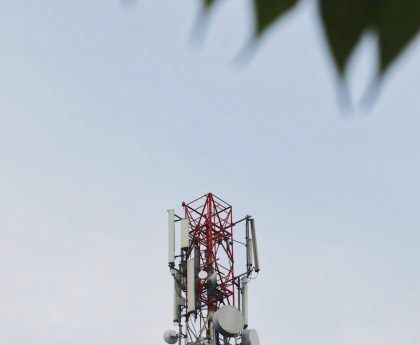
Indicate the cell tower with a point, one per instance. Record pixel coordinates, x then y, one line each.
210 301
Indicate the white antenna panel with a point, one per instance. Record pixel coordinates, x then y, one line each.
171 237
249 250
185 234
245 300
255 246
190 285
177 295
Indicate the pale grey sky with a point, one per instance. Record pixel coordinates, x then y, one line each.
109 115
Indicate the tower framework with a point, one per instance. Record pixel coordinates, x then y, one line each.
207 293
211 237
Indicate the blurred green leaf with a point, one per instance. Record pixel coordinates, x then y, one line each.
394 22
208 3
344 23
269 11
397 23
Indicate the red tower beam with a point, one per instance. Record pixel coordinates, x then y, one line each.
211 234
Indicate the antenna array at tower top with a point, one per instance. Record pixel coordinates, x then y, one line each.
210 298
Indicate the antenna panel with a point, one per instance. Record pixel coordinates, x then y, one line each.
190 285
185 236
177 295
255 246
245 300
249 250
171 237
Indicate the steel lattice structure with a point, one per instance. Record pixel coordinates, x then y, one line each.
211 234
210 301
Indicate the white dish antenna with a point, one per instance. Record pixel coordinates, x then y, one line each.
170 337
228 321
203 275
250 337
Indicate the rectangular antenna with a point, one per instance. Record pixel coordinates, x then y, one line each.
177 297
191 285
244 284
249 259
185 234
255 246
171 237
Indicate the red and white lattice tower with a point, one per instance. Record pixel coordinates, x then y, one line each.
210 301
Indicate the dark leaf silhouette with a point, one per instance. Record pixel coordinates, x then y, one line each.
208 3
269 11
344 23
397 23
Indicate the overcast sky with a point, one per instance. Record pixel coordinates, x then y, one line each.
111 114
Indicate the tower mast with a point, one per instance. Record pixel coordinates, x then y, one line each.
205 281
